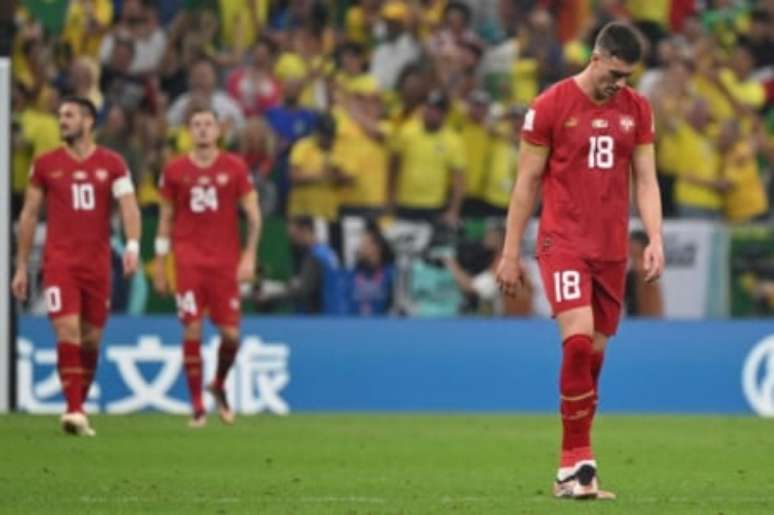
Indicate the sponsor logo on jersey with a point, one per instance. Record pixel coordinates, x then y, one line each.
80 175
204 180
571 122
599 123
222 179
529 121
627 123
101 174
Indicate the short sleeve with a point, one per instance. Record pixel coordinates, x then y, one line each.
298 153
538 123
244 181
36 176
122 178
455 156
646 127
166 183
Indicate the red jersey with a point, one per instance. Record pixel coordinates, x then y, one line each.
205 202
586 181
79 205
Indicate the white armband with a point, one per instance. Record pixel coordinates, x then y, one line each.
162 246
133 246
122 186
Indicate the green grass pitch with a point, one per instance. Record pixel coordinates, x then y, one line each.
380 464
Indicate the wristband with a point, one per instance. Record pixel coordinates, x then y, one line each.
162 246
133 246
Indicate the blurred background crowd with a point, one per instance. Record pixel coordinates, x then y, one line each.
382 134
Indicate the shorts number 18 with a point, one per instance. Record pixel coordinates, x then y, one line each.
567 285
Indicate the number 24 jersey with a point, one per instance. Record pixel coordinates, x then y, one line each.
586 181
206 202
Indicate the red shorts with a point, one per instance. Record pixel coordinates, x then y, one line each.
572 282
70 291
205 289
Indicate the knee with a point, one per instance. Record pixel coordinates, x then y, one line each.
193 331
90 337
68 331
229 335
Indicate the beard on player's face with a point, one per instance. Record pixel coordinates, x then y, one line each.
71 134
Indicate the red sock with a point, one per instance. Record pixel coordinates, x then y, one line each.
226 354
89 358
597 360
576 386
70 374
192 361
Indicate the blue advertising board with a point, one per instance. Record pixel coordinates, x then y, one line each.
326 364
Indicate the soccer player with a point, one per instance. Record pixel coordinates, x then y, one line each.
580 140
77 181
201 193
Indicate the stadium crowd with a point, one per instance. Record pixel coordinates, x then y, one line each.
394 120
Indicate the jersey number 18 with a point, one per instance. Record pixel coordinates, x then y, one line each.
601 152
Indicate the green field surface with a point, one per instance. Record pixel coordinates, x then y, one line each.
375 464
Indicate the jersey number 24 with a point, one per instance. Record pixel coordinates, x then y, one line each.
204 198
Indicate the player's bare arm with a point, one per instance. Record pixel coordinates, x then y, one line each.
452 215
649 206
532 163
247 262
162 246
28 220
130 216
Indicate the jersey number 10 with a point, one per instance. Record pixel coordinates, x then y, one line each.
83 196
601 152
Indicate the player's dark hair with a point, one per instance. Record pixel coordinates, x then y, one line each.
620 40
86 105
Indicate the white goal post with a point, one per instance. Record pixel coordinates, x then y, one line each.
5 235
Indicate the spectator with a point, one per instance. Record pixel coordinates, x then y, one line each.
254 85
699 187
138 23
86 24
476 134
120 86
500 174
476 279
290 122
316 173
745 199
397 49
428 161
363 137
117 136
202 82
372 280
85 82
319 285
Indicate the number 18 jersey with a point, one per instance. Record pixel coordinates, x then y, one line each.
205 203
586 182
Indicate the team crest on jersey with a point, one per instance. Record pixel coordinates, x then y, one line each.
204 180
101 174
571 122
222 179
80 175
599 123
627 123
